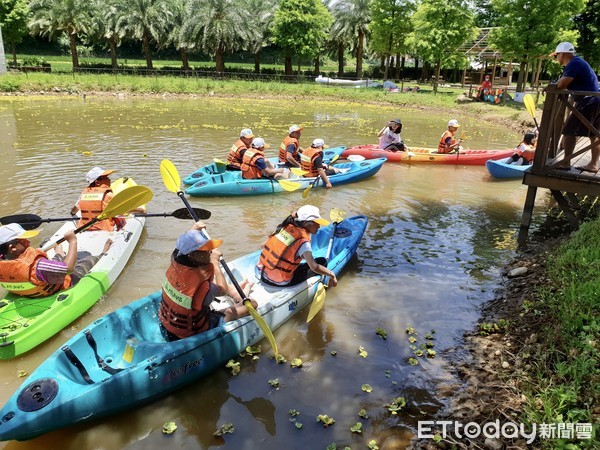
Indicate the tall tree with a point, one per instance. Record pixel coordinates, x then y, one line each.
13 20
389 27
177 37
144 20
55 17
262 13
530 29
440 27
217 27
352 18
299 28
103 27
588 25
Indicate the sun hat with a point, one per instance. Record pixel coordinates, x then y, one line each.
294 128
564 47
194 240
398 121
258 143
318 143
14 231
453 123
247 133
96 173
310 213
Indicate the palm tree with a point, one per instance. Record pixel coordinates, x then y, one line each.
217 27
176 36
352 18
53 17
103 27
262 12
146 20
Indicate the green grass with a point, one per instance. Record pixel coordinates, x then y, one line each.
566 382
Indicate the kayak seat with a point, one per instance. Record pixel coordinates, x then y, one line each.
146 326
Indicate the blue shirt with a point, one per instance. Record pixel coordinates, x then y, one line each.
584 78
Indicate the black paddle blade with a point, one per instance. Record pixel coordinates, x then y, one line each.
27 221
183 213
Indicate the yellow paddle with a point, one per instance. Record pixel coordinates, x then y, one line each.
336 215
298 171
172 181
306 191
123 202
530 106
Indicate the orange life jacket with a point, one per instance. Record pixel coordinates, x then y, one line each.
234 158
307 159
442 145
526 152
91 204
18 276
249 169
278 259
182 310
283 148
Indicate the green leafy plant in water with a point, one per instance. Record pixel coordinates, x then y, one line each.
333 353
487 328
331 446
410 330
388 373
296 362
412 339
419 353
293 412
362 352
431 353
298 425
169 427
429 344
373 445
253 350
429 336
326 420
366 388
363 414
396 405
234 366
413 361
381 332
281 359
356 428
225 429
274 382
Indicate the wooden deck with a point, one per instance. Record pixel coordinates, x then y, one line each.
565 185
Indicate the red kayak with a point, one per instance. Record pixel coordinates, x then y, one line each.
428 155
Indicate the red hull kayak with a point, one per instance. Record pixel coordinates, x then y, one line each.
428 155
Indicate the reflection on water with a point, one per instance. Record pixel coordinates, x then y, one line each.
437 239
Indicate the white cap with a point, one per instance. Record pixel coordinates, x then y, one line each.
310 213
318 143
294 128
564 47
194 240
453 123
14 231
258 143
96 173
247 133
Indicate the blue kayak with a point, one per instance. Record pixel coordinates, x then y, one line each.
123 360
230 183
214 168
500 169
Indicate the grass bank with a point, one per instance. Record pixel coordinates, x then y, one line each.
564 384
512 114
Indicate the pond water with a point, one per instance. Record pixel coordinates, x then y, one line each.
433 253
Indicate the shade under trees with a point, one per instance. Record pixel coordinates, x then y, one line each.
13 20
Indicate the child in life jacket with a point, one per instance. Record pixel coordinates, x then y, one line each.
525 150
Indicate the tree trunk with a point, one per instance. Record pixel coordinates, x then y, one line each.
288 65
184 59
146 49
14 53
73 46
340 53
359 54
112 45
437 77
398 66
220 60
387 65
257 62
317 65
520 78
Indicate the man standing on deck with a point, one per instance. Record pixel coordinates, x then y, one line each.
579 76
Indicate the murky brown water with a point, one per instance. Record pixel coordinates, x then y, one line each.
436 242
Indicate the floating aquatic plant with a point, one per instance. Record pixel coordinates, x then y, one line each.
362 352
356 428
274 382
234 366
296 362
363 414
410 330
413 361
381 332
225 429
373 445
293 412
396 405
326 420
169 427
366 388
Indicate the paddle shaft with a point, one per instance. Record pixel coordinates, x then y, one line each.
83 227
